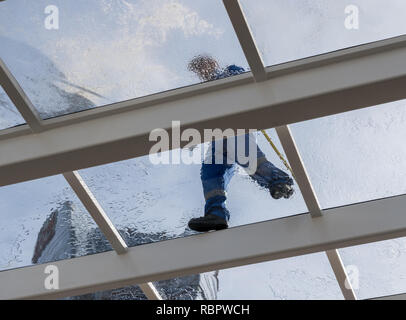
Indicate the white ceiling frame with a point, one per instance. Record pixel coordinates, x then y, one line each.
341 81
96 211
312 203
341 274
20 99
254 59
401 296
150 291
259 242
299 169
390 82
247 41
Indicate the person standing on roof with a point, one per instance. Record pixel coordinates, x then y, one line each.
216 176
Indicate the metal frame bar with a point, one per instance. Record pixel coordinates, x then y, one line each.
267 101
19 98
301 176
312 203
96 211
401 296
281 238
150 291
104 223
246 39
297 94
181 93
254 59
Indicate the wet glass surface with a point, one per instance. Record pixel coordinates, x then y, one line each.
377 269
93 53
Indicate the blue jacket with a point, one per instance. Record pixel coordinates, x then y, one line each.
229 71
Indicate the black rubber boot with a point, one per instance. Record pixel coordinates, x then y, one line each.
207 223
281 190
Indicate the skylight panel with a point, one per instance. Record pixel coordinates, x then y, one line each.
355 156
290 30
96 53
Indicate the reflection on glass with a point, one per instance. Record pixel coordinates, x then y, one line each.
152 202
288 30
9 115
355 156
43 221
81 55
306 277
377 269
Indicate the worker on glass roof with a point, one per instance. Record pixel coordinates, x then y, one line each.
222 157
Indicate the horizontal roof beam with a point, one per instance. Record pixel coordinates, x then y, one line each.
401 296
320 86
281 238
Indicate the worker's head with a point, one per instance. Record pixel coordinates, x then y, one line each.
204 66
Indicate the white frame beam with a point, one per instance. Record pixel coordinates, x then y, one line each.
401 296
267 105
341 274
247 41
150 291
281 238
96 211
253 56
357 77
104 223
312 203
301 176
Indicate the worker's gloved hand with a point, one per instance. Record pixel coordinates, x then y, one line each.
280 190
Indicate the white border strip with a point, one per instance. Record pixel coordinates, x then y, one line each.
312 203
341 274
282 238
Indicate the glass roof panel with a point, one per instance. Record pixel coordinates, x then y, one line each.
289 30
378 268
304 278
9 115
74 56
355 156
152 202
43 221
